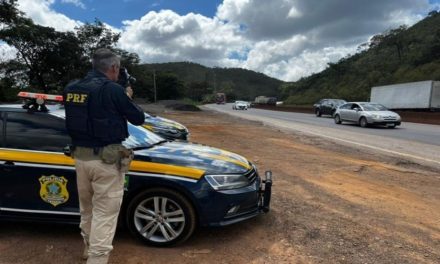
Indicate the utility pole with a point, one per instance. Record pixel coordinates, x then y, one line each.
154 85
215 90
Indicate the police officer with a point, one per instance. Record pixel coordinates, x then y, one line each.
97 110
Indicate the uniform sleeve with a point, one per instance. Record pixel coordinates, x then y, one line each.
127 107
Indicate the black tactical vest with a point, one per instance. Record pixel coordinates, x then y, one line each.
81 126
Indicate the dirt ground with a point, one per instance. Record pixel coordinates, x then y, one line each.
330 204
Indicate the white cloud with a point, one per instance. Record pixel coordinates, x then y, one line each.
77 3
41 13
291 59
6 52
166 36
294 13
309 62
270 52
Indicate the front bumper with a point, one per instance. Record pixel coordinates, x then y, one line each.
385 122
242 204
265 192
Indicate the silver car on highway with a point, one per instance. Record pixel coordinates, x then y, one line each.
366 113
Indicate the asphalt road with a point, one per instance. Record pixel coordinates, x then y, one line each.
416 142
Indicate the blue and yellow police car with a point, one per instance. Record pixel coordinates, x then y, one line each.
172 186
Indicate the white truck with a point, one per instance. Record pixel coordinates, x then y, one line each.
413 95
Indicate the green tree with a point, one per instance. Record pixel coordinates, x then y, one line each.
50 57
93 36
168 86
197 90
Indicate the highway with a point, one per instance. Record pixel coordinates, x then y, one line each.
416 142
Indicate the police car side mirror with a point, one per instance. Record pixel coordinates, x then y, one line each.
67 151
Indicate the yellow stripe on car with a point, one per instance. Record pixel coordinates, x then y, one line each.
61 159
36 157
228 159
149 127
143 166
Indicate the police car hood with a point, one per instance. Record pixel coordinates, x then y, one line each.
210 160
157 121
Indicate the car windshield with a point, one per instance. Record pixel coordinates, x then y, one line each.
141 138
374 107
337 101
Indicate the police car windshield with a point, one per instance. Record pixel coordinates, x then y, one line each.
141 138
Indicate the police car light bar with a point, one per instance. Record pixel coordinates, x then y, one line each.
40 96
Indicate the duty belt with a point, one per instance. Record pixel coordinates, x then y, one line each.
84 153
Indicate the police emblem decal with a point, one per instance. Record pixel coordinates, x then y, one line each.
53 189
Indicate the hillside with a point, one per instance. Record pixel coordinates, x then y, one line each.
397 56
236 83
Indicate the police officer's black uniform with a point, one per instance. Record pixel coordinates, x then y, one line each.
97 110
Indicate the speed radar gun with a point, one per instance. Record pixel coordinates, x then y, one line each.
124 78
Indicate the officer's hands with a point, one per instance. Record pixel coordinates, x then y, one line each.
129 92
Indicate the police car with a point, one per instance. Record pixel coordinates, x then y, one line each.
166 128
171 188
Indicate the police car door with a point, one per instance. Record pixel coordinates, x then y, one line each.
37 179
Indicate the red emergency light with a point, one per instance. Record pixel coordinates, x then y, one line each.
41 96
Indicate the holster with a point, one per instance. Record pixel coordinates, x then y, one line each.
117 154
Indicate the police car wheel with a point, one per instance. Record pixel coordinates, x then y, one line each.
161 217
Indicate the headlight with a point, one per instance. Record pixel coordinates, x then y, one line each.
227 181
165 129
376 116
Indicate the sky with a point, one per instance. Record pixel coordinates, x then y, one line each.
284 39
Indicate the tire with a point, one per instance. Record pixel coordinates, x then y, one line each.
338 120
363 122
318 112
161 217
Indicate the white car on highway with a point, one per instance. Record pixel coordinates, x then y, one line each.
240 105
366 113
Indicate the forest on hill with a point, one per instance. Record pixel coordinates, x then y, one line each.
200 83
396 56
